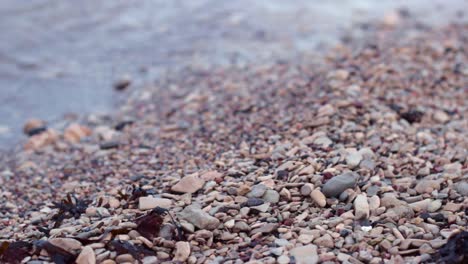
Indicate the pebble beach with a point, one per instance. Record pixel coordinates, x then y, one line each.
359 156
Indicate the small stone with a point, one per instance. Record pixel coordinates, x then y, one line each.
305 254
441 117
150 260
75 132
262 208
306 189
113 202
374 202
427 186
271 196
353 158
188 184
283 259
124 258
251 202
150 202
338 184
324 241
452 207
305 238
361 207
318 197
68 244
323 142
462 188
281 242
230 223
211 175
38 141
182 251
391 19
434 206
421 205
34 126
257 191
199 218
86 256
123 83
265 229
241 226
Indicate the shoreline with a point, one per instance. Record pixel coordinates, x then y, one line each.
360 157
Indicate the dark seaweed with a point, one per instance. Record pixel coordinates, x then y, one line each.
150 224
412 116
68 208
14 252
57 255
456 249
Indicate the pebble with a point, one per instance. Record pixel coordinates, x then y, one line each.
68 244
353 158
306 189
434 206
241 226
421 205
271 196
324 241
122 83
257 191
76 132
265 229
283 259
318 197
338 184
427 186
305 254
34 126
86 256
150 202
361 207
199 218
188 184
462 188
182 251
262 208
124 258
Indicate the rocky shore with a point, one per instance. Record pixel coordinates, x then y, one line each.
358 158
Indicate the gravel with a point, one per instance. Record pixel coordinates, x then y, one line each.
358 158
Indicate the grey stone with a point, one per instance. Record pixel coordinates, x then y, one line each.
257 191
199 218
305 254
271 196
462 188
336 185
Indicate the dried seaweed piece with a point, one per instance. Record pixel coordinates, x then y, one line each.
57 254
412 116
136 193
36 131
125 247
120 126
150 224
69 207
109 145
456 249
14 252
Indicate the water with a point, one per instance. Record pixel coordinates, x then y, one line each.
58 57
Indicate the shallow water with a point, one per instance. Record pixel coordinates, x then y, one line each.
58 57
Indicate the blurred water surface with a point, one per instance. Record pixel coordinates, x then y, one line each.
63 56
